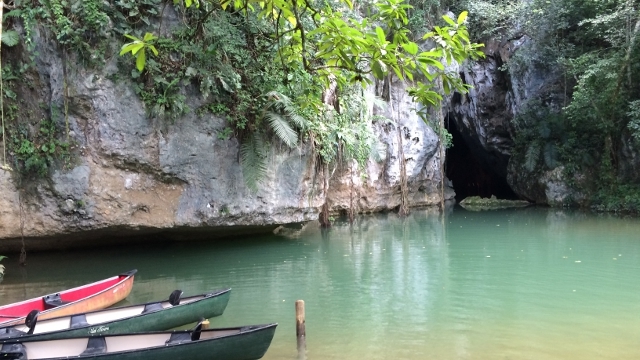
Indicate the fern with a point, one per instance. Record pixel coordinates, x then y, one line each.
10 38
253 160
282 129
280 112
531 157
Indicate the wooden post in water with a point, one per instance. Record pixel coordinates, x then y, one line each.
300 330
205 324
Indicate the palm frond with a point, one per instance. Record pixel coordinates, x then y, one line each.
253 160
531 156
10 38
281 128
15 13
299 121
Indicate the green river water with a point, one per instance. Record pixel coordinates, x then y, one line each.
515 284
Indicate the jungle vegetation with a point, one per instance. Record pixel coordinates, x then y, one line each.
267 67
588 120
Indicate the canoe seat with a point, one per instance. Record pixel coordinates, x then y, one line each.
52 301
186 336
79 320
10 332
174 298
13 352
179 337
152 307
95 345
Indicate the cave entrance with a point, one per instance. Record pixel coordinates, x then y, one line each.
469 174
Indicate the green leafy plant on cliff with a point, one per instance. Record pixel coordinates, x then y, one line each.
138 49
284 121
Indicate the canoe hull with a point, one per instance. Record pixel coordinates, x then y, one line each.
101 300
83 299
212 305
245 347
246 343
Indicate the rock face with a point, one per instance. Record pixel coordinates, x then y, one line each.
408 137
485 117
132 175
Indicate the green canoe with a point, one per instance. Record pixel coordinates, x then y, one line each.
239 343
156 316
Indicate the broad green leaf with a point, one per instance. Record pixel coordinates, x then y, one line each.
140 60
136 48
396 69
462 17
409 76
381 36
430 61
149 36
130 47
153 49
131 37
428 35
378 69
411 48
449 20
432 53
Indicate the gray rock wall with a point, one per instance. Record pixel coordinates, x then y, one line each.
135 175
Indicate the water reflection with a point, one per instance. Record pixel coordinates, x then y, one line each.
523 284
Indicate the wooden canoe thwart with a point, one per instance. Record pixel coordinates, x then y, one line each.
154 316
94 296
239 343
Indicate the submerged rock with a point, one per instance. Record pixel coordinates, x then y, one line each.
476 203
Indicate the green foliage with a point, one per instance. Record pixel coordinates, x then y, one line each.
492 18
347 135
282 116
128 15
34 154
80 25
618 198
262 65
138 49
634 120
542 138
581 121
10 38
35 145
253 154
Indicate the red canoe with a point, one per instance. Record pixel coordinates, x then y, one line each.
94 296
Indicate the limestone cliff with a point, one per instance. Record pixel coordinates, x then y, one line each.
134 175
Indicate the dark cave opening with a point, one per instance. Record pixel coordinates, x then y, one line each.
469 174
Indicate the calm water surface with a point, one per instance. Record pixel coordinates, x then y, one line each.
517 284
